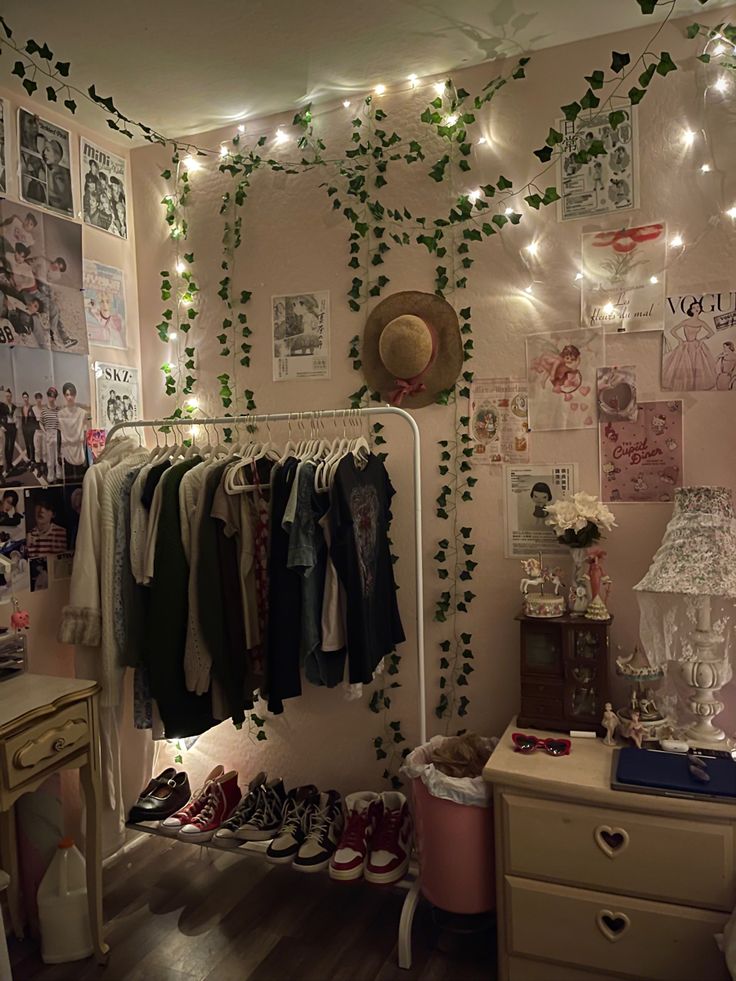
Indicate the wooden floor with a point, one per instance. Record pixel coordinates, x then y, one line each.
174 912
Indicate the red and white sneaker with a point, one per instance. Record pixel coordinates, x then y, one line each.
173 825
363 813
222 799
390 847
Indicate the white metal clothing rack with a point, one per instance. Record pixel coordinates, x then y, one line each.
336 415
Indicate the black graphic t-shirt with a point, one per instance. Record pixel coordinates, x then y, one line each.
360 515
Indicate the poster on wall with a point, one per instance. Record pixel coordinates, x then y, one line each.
44 163
607 182
41 300
4 121
44 415
104 305
13 542
623 278
103 190
561 375
527 492
617 393
643 460
699 342
118 398
301 336
499 420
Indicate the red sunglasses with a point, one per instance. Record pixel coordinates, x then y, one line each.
527 744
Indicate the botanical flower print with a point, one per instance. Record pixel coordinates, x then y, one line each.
364 512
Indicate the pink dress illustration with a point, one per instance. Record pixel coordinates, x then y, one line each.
690 366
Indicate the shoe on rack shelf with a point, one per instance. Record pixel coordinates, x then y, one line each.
222 799
390 849
229 835
325 828
173 825
364 810
164 795
299 808
268 815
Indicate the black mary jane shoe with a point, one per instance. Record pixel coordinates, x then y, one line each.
165 795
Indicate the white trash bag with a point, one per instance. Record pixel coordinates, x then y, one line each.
473 791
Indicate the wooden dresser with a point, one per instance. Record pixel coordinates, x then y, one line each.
49 724
595 884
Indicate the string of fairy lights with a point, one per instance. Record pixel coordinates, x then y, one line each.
717 47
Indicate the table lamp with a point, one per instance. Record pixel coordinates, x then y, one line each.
685 601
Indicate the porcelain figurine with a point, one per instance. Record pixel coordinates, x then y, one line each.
636 731
610 724
598 579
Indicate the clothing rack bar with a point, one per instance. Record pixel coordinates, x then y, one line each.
334 415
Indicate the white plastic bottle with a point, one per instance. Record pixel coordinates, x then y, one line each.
62 907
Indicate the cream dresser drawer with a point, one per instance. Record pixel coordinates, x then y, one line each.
680 861
613 934
523 969
42 745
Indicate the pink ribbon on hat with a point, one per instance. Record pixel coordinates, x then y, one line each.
415 385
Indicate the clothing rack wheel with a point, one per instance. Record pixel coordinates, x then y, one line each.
337 416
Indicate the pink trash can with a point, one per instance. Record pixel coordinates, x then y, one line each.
455 848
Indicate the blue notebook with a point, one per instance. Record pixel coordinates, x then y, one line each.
668 774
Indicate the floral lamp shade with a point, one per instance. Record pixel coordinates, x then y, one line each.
695 564
697 556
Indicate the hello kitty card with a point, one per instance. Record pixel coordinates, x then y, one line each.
641 460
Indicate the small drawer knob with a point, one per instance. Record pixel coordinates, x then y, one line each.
58 744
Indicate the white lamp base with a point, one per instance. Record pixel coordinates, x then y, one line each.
705 675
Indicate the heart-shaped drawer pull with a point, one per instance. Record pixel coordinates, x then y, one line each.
612 925
611 841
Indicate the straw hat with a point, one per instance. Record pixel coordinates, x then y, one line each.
412 348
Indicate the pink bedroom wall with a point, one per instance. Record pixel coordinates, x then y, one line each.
293 241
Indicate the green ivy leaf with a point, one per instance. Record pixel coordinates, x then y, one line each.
666 64
590 100
544 153
51 95
29 85
705 58
571 111
616 117
19 69
71 105
619 60
636 95
647 75
647 6
62 68
596 79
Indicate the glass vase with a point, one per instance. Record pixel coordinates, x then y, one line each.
580 593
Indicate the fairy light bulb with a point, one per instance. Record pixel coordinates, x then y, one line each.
413 80
223 150
532 248
529 289
578 276
732 212
508 211
451 119
721 84
608 308
719 49
192 403
173 335
676 242
688 137
281 137
346 103
439 88
180 267
705 169
653 280
380 89
481 141
191 163
241 128
474 195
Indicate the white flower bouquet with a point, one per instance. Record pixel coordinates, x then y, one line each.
577 520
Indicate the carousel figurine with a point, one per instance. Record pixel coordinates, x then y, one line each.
597 609
541 604
637 730
641 675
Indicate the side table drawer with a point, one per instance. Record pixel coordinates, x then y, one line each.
42 744
680 861
613 934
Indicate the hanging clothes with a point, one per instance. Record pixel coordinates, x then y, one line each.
360 516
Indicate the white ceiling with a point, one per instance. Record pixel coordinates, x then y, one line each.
191 65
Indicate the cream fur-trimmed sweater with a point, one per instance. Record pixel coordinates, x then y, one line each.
82 619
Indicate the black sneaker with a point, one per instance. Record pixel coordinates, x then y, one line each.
229 835
324 833
301 805
268 814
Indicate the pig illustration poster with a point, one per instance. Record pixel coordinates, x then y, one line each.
642 460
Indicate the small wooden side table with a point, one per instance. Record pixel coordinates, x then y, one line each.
49 724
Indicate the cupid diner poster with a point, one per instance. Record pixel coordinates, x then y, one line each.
641 460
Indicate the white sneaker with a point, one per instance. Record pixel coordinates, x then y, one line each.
324 833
